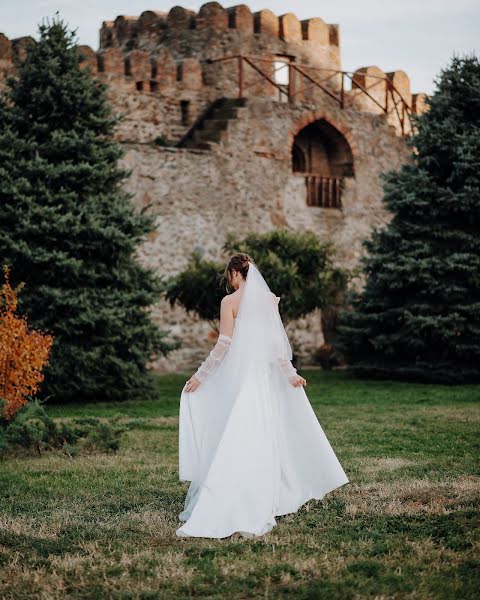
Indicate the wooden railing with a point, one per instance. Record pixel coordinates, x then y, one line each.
323 190
317 78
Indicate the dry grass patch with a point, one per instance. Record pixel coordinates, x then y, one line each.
373 466
412 496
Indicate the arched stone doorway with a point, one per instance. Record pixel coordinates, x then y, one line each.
322 155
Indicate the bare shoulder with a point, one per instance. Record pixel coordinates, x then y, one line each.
226 303
226 300
227 309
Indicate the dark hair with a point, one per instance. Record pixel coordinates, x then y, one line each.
237 262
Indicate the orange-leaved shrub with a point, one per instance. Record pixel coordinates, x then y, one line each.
24 352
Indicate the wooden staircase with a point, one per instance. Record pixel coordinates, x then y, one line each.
209 130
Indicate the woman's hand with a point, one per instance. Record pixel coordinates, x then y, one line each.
297 381
192 384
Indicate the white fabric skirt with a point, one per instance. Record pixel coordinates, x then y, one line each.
253 449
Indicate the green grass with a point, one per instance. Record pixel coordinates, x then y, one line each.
103 526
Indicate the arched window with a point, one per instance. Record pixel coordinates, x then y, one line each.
323 156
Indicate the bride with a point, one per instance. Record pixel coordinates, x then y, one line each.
249 441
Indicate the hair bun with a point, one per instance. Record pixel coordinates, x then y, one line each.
240 261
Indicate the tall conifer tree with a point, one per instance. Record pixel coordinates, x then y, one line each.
418 316
68 228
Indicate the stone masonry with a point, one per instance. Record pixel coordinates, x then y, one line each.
242 122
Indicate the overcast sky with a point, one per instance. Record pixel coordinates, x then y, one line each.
418 36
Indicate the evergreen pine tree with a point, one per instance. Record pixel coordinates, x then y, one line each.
69 230
418 316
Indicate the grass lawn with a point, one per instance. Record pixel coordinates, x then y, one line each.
103 526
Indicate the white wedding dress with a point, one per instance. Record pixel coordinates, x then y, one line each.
249 441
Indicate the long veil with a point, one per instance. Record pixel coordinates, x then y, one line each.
259 335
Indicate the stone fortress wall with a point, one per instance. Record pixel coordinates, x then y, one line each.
218 142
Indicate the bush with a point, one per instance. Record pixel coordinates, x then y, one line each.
23 352
297 266
197 288
32 429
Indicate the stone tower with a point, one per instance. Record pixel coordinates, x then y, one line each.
241 121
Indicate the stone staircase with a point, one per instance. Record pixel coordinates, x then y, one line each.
210 129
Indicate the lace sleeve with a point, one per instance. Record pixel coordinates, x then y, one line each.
287 367
213 360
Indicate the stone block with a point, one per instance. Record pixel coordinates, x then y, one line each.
166 70
126 28
108 36
401 83
140 67
240 17
111 62
316 30
180 18
334 34
419 105
373 80
212 15
151 22
290 28
265 21
192 74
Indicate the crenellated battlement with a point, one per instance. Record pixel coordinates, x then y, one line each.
128 31
215 33
190 59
